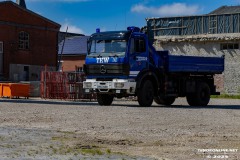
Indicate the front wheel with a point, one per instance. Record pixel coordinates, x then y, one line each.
104 99
145 94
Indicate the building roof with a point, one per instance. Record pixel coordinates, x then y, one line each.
30 12
62 35
226 10
74 46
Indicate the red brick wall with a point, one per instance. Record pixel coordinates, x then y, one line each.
11 13
70 62
42 38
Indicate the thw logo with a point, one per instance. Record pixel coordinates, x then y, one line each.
103 60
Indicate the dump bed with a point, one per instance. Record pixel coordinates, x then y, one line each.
191 64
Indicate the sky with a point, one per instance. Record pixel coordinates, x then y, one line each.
84 16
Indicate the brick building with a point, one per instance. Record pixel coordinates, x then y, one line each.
74 52
213 34
28 41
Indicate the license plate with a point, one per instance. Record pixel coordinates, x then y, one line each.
103 87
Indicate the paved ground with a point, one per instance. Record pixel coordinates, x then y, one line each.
52 129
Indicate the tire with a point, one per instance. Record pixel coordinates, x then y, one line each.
191 100
104 99
146 94
201 97
164 100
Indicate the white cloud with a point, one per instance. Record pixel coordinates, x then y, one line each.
71 28
175 9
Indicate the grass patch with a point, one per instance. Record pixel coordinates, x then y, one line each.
93 151
75 150
7 146
66 132
67 146
63 139
226 96
108 151
1 138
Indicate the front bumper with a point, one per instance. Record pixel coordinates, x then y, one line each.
116 86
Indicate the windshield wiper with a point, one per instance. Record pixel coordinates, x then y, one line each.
97 56
115 55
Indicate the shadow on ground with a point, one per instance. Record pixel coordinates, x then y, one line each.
43 101
119 103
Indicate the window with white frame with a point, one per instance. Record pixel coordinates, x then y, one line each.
1 47
23 42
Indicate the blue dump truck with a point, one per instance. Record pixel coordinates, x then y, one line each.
124 63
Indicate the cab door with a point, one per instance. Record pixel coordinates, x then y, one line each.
138 54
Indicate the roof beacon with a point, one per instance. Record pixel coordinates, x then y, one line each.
98 30
133 29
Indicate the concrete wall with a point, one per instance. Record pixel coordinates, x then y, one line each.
229 82
18 72
33 76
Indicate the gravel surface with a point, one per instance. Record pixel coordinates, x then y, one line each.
53 129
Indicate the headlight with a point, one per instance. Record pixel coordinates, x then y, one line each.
88 85
119 85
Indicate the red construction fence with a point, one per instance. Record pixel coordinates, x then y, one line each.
63 85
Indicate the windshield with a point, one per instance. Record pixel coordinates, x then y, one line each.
107 48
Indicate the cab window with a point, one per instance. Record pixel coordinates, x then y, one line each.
138 45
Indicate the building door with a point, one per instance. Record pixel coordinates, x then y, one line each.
1 57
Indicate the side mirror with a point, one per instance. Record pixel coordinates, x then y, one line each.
85 69
88 45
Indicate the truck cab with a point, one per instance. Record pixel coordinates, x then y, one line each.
113 62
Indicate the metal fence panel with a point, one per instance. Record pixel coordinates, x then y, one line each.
193 25
63 85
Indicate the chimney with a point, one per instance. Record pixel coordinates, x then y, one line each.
21 3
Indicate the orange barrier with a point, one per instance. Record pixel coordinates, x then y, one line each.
14 90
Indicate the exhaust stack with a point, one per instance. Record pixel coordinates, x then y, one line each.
21 3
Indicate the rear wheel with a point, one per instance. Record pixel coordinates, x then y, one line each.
201 97
191 100
145 94
164 100
104 99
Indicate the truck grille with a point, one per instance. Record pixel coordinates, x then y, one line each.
107 69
